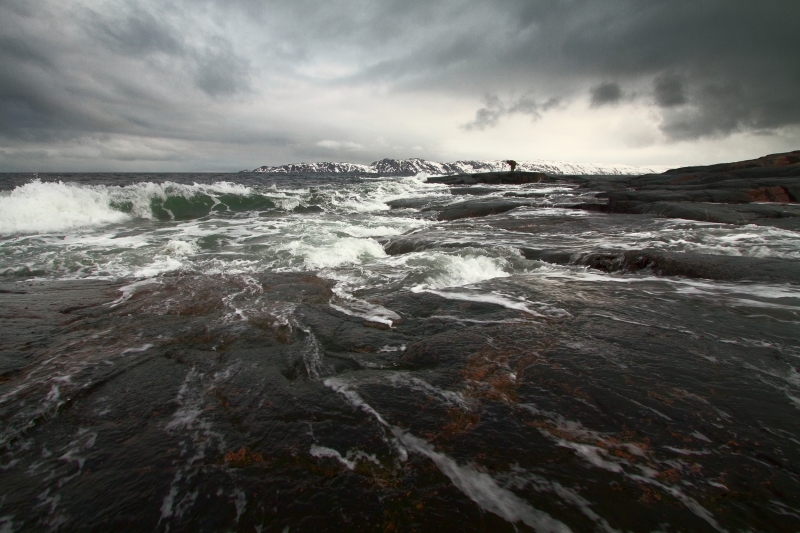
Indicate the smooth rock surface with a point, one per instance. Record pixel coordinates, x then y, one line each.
478 208
759 191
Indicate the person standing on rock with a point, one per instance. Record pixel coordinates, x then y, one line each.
512 164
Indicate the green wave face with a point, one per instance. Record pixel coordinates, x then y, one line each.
200 205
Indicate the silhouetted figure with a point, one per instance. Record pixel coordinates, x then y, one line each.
512 164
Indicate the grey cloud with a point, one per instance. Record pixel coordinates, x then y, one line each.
557 47
21 51
134 31
607 93
495 109
488 116
668 91
717 109
220 72
120 68
710 68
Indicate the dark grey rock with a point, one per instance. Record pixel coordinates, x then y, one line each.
308 209
783 216
689 265
759 191
479 208
477 191
405 244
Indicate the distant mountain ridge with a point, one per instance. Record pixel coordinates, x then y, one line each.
411 167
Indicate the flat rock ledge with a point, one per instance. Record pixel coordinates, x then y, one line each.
494 178
682 264
480 208
763 191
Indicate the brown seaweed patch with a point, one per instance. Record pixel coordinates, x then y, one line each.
242 458
499 366
460 422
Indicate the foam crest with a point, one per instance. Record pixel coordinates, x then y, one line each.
190 421
457 271
38 207
160 264
348 250
719 239
373 194
376 231
48 207
179 247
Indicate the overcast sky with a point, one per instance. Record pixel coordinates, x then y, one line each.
213 85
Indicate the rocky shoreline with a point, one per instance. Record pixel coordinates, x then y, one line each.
763 191
530 353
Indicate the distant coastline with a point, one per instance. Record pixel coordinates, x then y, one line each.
413 166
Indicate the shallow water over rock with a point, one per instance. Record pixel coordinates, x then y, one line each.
366 368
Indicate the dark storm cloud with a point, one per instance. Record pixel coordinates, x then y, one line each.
709 68
719 110
669 91
607 93
83 73
215 67
564 48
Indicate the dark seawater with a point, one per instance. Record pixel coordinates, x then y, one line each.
250 352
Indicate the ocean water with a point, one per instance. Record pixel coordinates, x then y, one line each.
256 352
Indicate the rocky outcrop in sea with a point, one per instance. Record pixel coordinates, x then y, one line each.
763 191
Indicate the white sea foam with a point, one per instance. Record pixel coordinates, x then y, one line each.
128 291
189 422
179 247
593 455
47 207
504 301
375 231
732 292
483 489
478 486
389 348
323 452
367 311
339 252
350 460
160 265
415 383
457 271
362 205
38 207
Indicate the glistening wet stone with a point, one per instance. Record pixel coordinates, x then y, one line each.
367 368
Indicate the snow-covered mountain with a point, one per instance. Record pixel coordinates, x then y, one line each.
411 167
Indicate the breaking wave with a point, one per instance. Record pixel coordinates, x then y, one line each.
38 207
50 207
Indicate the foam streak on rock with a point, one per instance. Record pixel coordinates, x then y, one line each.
478 486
